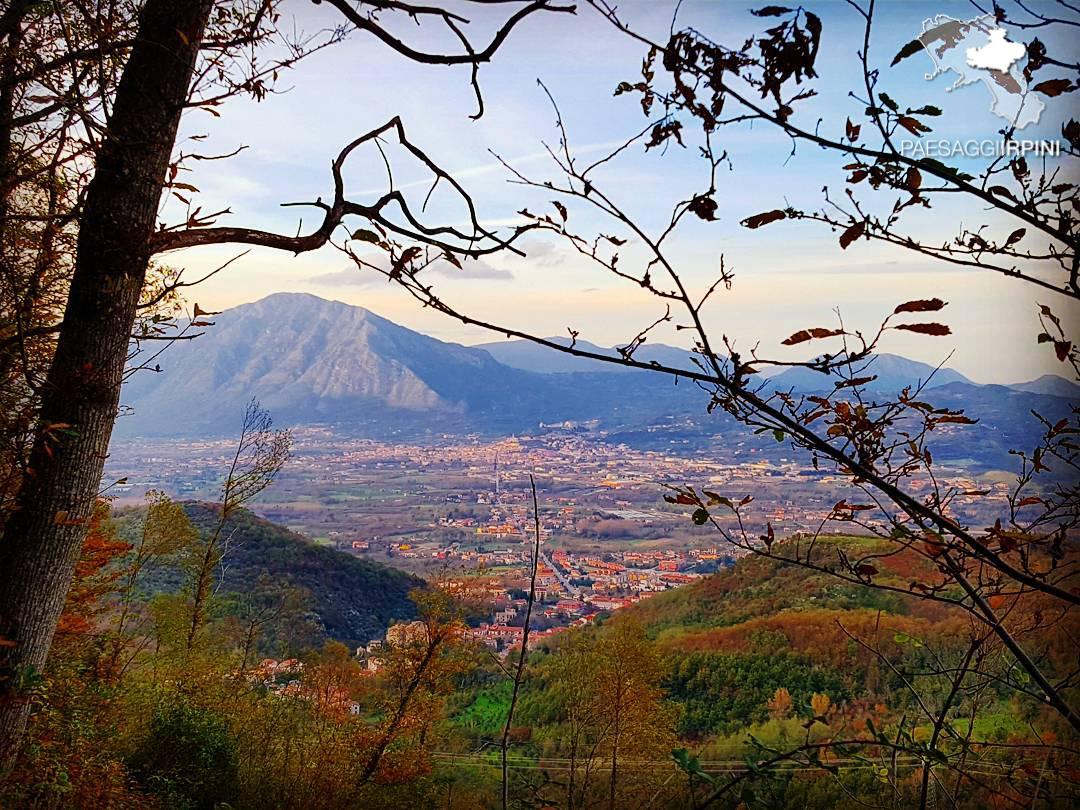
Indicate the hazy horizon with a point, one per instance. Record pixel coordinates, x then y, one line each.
488 338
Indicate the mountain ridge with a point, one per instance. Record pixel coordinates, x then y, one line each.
313 361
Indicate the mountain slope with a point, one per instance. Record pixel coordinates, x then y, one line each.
529 356
355 600
1050 384
893 372
308 360
311 360
737 636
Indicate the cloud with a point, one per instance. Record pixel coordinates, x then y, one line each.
349 277
542 253
474 268
355 277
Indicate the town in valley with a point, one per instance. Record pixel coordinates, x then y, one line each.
457 510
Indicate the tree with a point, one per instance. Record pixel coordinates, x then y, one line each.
519 670
611 712
43 535
268 606
145 69
71 756
260 454
165 532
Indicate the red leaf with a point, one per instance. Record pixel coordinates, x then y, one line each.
912 125
1015 236
851 234
804 335
1054 87
936 329
957 418
923 305
1001 191
855 381
757 220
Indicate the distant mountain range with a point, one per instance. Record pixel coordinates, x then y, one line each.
309 360
526 355
893 372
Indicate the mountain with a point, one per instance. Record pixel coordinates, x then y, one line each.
893 372
354 600
308 360
529 356
1050 384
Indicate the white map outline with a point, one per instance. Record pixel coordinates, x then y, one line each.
992 53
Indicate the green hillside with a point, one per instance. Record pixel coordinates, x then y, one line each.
728 642
732 639
355 600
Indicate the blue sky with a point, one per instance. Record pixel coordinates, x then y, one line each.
788 276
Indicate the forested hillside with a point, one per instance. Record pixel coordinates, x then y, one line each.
761 658
351 600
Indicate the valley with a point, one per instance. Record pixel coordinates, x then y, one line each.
460 507
417 454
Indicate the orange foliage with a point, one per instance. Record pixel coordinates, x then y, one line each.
780 704
95 576
820 636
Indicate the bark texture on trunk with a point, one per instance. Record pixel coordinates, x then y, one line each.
44 537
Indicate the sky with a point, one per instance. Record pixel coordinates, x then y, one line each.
788 276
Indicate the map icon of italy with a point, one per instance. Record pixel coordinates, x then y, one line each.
979 50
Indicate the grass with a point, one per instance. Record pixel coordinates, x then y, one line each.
487 712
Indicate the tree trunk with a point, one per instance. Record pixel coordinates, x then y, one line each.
10 36
44 536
